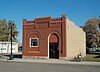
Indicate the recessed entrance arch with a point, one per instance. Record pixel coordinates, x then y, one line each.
53 46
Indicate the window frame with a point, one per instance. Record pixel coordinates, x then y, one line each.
37 42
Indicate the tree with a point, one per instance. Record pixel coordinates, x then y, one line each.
5 31
92 29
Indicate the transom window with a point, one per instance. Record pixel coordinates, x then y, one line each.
34 42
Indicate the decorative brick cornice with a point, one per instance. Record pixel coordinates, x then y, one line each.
43 20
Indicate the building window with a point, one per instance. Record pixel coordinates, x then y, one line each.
34 42
3 48
13 48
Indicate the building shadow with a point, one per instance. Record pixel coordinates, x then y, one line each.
14 55
97 56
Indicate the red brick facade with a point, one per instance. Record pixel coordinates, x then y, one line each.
47 30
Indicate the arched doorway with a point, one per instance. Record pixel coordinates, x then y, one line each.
54 46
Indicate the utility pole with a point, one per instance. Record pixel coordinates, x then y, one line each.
11 23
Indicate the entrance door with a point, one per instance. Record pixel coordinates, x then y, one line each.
53 50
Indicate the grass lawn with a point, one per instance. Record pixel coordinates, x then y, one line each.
92 57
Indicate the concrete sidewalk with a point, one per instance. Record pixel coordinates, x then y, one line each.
54 61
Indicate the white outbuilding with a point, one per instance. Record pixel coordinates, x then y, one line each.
5 47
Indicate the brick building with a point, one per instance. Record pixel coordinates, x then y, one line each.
48 37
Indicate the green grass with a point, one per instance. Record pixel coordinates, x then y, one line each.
92 57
